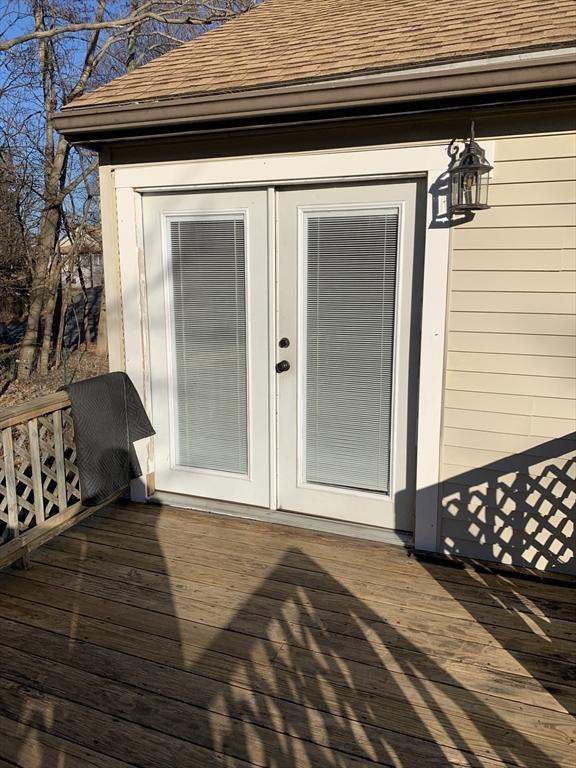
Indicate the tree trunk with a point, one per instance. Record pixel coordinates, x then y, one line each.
55 164
50 304
85 308
46 244
66 294
102 338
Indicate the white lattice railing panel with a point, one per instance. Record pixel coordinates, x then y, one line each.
39 478
71 468
30 503
53 502
4 530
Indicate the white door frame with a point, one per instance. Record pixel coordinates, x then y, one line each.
352 165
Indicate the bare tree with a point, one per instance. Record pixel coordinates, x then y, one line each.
14 241
66 48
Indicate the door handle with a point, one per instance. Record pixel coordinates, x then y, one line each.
282 366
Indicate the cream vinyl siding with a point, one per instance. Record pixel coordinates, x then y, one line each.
508 472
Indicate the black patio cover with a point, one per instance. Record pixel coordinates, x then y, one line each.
108 418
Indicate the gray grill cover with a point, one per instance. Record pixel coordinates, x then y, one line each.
108 418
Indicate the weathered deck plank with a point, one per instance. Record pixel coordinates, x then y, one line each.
158 637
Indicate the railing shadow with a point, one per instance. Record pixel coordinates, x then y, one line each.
145 653
520 512
367 689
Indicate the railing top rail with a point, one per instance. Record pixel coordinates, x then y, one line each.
16 414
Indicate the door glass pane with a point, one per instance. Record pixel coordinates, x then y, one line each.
350 308
209 343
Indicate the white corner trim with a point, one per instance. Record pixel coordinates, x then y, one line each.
113 297
132 277
429 161
431 388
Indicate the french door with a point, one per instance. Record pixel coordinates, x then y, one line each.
207 286
339 395
344 306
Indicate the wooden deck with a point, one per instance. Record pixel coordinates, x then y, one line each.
165 638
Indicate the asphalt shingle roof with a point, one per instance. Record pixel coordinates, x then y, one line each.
289 41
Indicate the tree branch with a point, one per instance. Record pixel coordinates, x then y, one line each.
71 186
133 19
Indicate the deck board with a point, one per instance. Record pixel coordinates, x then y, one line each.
161 637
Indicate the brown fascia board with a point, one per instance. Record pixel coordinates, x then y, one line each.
92 124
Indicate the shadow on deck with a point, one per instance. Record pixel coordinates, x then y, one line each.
166 638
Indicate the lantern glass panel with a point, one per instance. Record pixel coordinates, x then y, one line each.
469 187
454 189
483 190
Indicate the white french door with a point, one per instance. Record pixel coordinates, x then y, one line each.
339 397
344 307
207 285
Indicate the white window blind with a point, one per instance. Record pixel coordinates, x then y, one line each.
209 342
350 309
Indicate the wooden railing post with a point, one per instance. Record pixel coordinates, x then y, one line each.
36 468
10 479
59 456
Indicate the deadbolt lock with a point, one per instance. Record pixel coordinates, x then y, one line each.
282 366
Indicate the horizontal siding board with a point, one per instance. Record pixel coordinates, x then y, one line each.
515 281
507 301
506 555
536 147
527 365
483 521
485 485
514 261
517 424
506 238
527 546
569 259
515 528
469 476
539 386
486 420
547 407
513 343
466 460
549 169
517 322
542 193
471 548
550 407
531 445
513 215
553 427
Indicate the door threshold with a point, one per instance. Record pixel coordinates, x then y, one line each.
279 517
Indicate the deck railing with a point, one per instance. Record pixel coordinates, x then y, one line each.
39 478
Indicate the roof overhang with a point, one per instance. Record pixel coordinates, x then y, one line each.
528 72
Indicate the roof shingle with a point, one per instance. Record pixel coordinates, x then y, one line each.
289 41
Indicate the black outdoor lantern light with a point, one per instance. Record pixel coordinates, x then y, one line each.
469 177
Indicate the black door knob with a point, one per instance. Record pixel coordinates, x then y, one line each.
284 343
282 366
